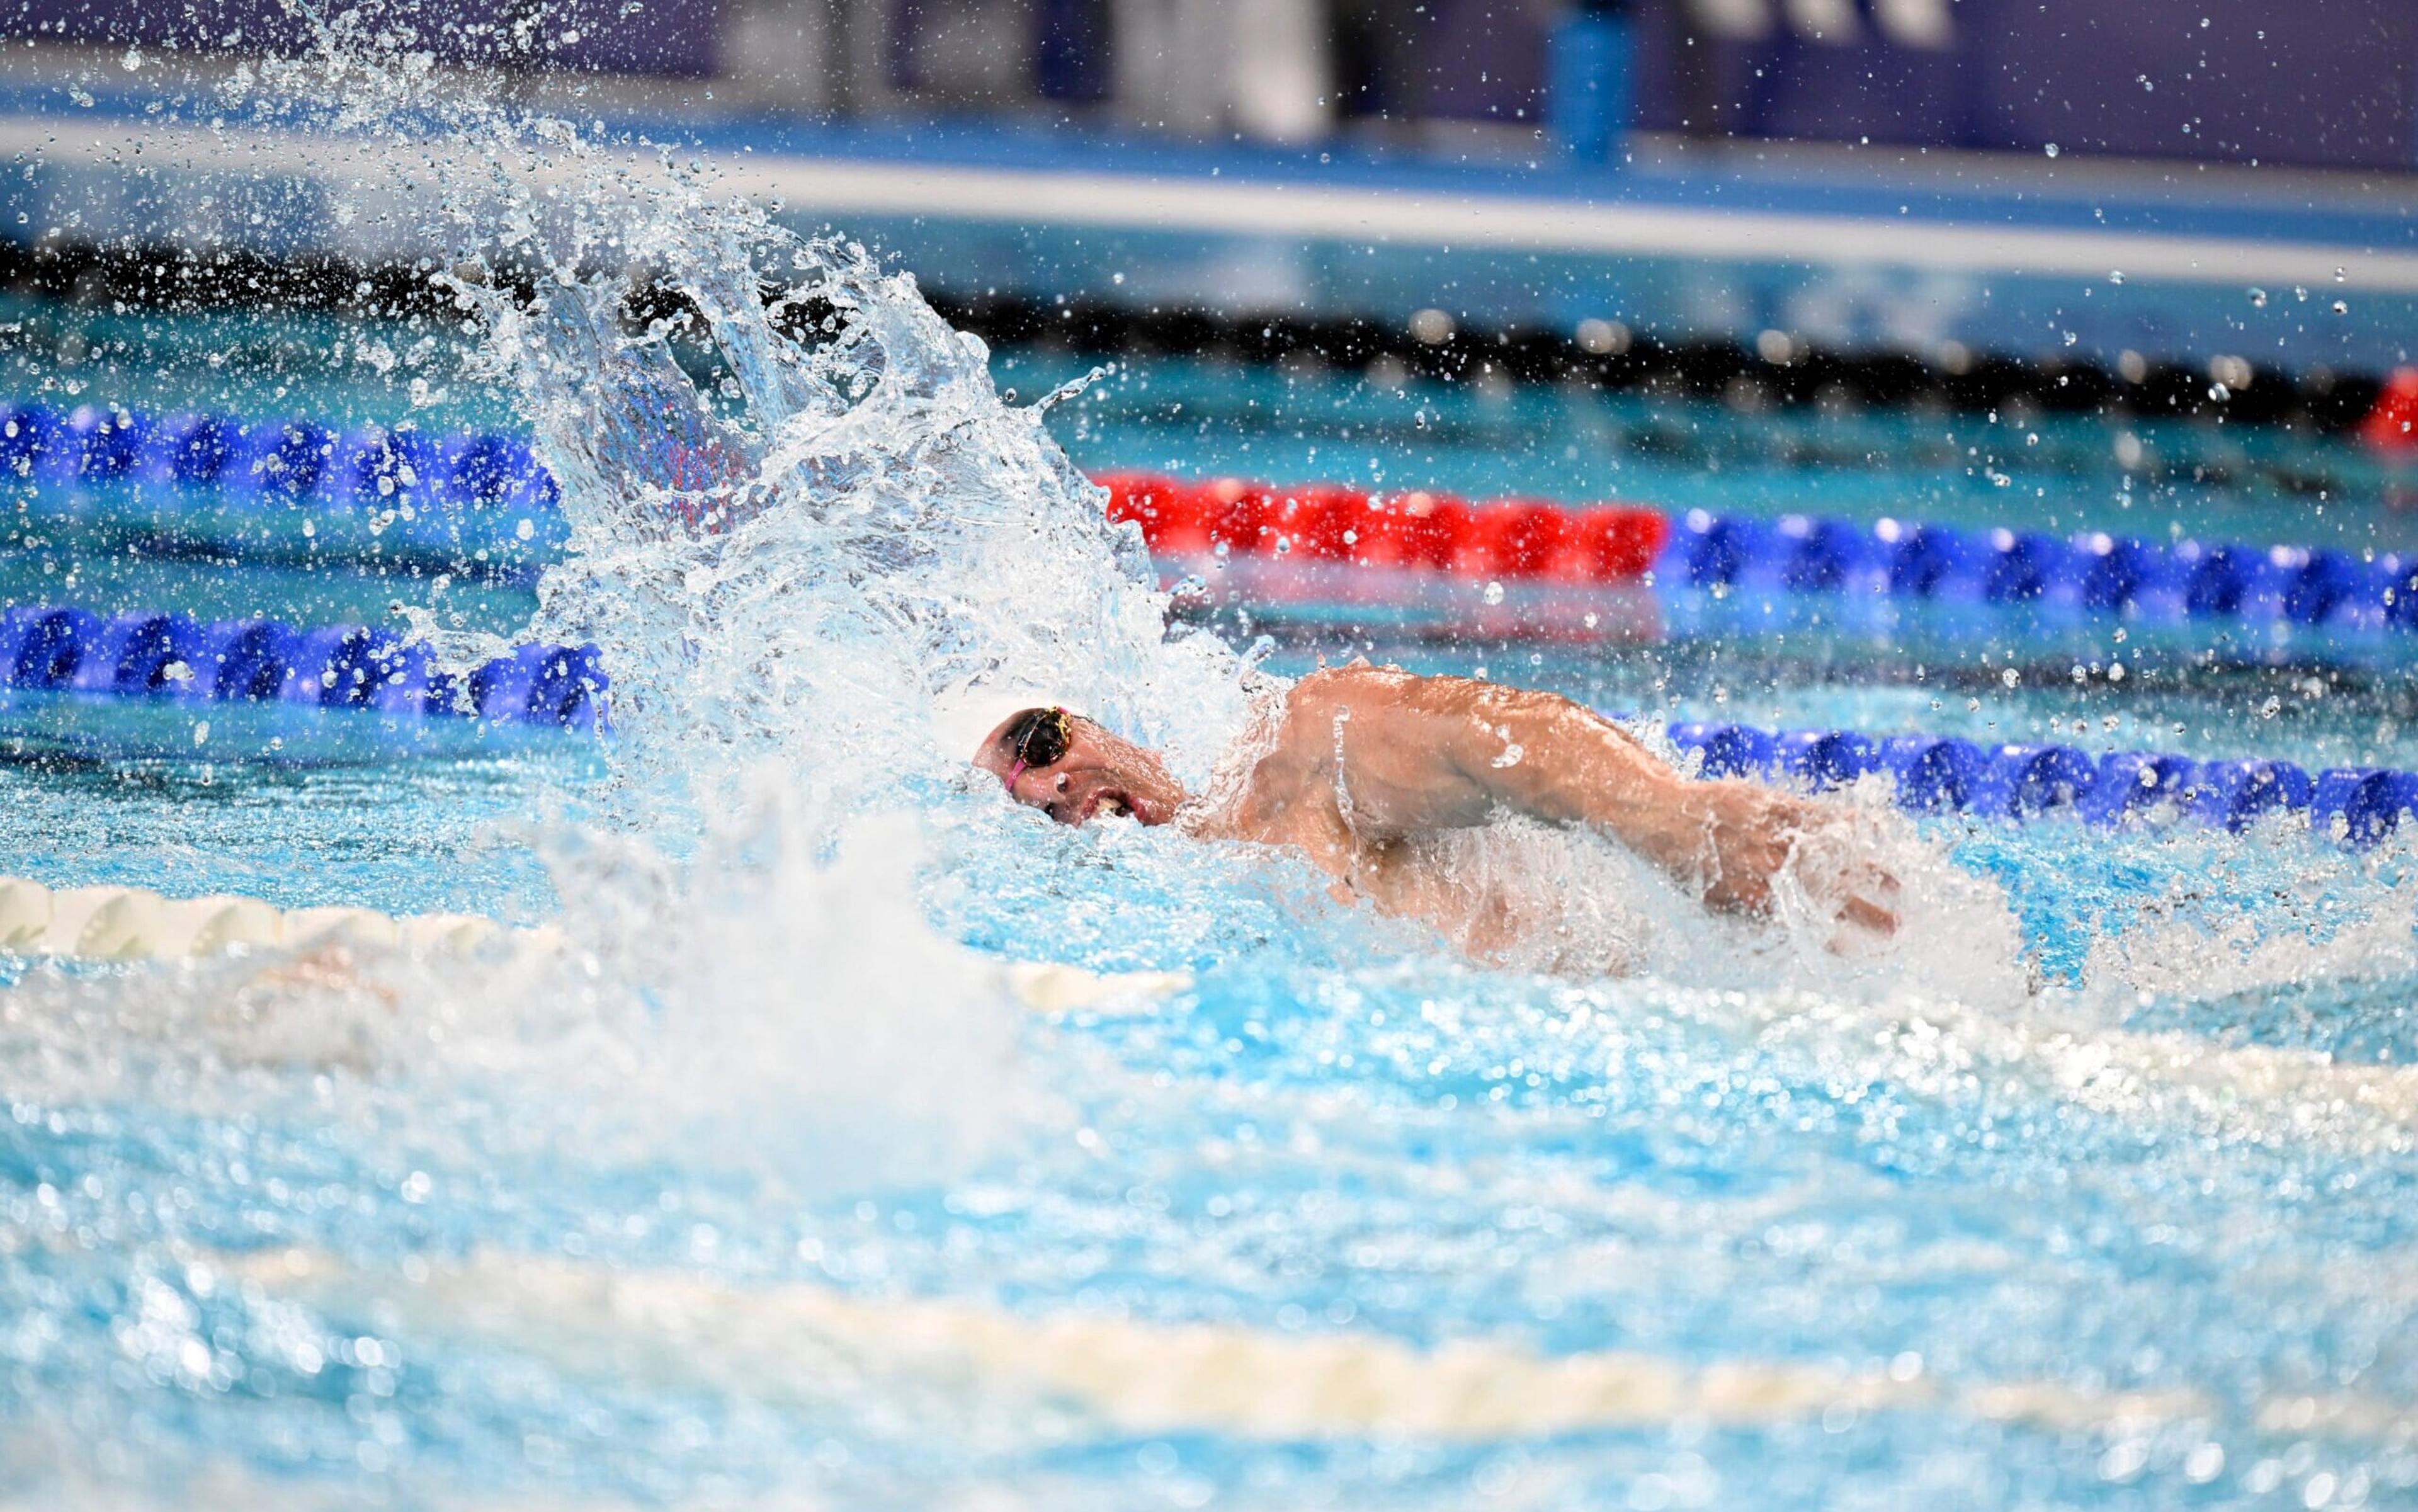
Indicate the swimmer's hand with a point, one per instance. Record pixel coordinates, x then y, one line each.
1750 834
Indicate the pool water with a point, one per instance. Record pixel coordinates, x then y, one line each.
766 1189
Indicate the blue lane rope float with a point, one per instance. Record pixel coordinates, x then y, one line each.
1934 774
57 649
438 484
2092 571
60 648
291 461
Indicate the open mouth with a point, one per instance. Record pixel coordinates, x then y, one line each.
1115 804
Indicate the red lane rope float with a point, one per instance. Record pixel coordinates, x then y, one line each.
2393 424
1415 529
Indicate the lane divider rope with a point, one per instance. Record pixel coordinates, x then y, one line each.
123 923
2357 805
492 481
176 657
1534 540
798 1343
110 922
2103 1068
63 648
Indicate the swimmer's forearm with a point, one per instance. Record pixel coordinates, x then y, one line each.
1724 842
1557 761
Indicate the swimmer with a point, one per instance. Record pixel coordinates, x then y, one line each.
1359 766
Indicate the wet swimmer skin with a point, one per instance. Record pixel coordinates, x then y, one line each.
1360 764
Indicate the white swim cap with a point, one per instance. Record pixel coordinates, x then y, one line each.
963 716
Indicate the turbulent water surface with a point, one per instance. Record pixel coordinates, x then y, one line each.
771 1189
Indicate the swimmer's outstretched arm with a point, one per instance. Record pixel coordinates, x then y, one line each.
1421 754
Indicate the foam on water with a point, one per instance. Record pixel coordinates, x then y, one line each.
796 559
748 1010
852 525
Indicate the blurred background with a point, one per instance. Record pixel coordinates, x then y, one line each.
2326 84
2067 179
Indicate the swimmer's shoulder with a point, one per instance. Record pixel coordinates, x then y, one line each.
1388 696
1356 685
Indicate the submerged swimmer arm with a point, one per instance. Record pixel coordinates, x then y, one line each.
1427 753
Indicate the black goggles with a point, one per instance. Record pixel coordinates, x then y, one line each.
1039 738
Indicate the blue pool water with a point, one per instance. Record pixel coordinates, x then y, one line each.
765 1189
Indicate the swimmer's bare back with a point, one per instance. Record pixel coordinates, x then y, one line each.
1367 759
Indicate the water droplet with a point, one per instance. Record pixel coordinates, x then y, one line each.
2258 299
2052 149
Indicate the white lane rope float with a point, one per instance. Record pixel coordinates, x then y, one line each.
800 1345
123 923
107 922
2360 1105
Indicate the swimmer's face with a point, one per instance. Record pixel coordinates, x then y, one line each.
1088 772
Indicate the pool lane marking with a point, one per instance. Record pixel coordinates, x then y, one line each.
2117 1072
133 922
824 186
2114 1071
806 1344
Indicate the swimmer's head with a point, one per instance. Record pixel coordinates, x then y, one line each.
1071 769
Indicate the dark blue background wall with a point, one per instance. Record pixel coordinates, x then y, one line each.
2319 82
